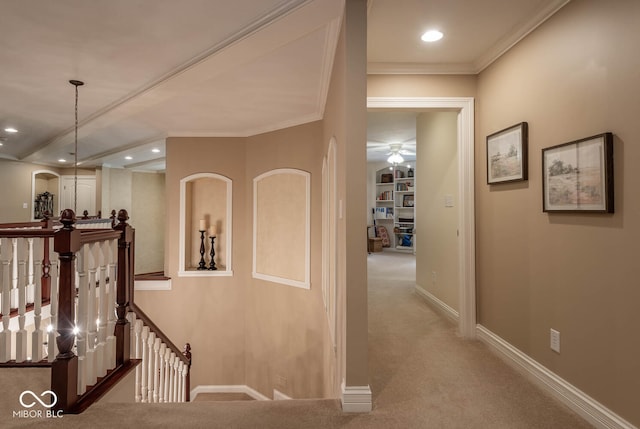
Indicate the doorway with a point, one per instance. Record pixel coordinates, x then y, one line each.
86 194
465 200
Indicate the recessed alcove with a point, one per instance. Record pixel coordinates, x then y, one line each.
205 203
45 193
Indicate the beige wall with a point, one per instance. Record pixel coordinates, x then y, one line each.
286 327
345 120
207 312
148 218
575 76
437 226
421 86
12 198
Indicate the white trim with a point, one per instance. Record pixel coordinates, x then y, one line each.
182 272
235 388
584 405
306 283
356 399
152 284
442 307
279 396
466 227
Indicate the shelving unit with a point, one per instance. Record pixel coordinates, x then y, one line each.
395 202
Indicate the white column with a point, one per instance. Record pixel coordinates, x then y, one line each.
102 307
14 273
92 328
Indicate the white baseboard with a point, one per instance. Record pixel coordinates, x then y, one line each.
443 308
584 405
236 388
152 284
279 396
356 399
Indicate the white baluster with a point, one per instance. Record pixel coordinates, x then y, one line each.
172 378
144 364
92 328
161 372
183 391
21 335
30 283
180 381
176 377
81 316
138 351
5 335
102 357
167 373
156 370
112 255
52 329
150 369
37 336
14 273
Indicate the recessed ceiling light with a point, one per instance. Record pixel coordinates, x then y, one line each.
128 157
155 150
432 36
11 130
62 160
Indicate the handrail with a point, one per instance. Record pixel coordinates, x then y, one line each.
67 241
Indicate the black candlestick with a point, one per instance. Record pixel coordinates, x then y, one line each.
202 265
212 264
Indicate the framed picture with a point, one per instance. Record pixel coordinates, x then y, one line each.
407 200
578 176
507 154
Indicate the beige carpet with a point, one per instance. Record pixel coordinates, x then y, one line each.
422 376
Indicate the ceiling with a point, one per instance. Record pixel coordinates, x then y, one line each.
160 68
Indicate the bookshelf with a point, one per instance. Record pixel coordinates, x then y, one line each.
395 205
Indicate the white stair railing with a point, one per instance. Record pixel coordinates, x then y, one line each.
95 292
22 339
161 375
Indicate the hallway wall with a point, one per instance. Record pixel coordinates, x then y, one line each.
437 242
574 77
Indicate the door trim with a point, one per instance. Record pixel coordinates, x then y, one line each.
466 227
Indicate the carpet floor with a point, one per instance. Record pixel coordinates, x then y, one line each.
423 375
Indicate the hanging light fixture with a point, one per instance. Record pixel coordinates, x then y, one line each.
395 159
75 83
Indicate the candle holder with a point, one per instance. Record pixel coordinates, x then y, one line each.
212 264
202 265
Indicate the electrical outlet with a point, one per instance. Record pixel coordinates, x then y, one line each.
555 341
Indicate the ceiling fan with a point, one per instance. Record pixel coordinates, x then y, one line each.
395 151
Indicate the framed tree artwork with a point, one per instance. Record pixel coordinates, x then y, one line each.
578 176
507 154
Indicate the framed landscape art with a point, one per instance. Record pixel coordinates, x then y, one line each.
578 176
507 154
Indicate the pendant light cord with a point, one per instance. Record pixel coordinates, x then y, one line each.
75 83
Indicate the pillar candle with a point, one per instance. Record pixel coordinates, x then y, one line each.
212 231
203 225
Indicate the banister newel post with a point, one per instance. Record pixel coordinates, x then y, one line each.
64 369
125 276
46 262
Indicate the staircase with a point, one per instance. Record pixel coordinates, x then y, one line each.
66 298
